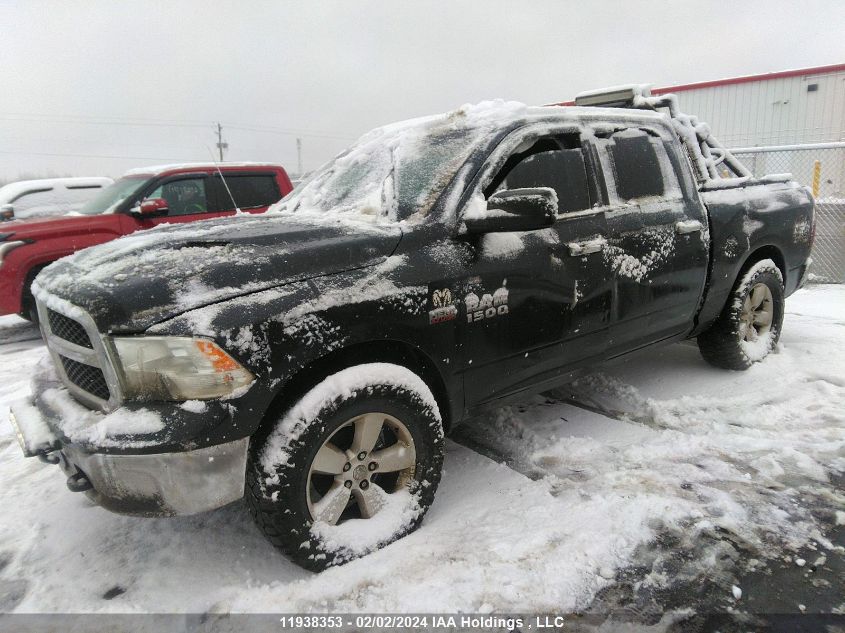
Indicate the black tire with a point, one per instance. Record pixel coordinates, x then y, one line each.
723 344
28 308
279 464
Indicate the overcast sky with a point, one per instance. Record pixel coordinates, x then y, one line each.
95 88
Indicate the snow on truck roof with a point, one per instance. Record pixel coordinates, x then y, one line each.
154 170
15 189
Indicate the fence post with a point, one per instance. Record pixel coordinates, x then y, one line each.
817 177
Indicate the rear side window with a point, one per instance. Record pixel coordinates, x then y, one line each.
248 191
636 164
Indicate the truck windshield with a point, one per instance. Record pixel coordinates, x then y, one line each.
389 175
109 198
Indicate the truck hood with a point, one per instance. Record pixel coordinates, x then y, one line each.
132 283
57 225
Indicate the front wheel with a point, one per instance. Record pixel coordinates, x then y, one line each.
352 467
749 326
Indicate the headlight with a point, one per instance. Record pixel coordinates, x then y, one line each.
178 368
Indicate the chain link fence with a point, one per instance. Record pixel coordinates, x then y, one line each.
821 167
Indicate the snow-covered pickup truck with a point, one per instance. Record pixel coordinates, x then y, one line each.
312 357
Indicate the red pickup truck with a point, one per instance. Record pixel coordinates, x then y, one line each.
142 199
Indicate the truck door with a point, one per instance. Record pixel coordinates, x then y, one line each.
553 282
657 239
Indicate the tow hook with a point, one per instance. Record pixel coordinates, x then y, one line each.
49 457
78 482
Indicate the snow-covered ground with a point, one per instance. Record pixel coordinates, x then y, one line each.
666 470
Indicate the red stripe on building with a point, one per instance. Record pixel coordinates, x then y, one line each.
783 74
817 70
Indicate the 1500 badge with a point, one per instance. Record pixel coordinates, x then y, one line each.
488 305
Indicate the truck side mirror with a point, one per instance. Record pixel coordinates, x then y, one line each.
153 206
515 210
7 212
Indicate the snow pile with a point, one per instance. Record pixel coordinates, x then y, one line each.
503 245
38 434
655 246
357 537
194 406
83 425
686 453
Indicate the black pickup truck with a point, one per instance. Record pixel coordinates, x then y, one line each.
311 358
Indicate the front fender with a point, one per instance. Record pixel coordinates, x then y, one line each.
278 333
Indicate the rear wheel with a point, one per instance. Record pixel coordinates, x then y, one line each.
352 467
749 326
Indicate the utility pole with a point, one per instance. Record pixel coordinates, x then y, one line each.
299 156
220 144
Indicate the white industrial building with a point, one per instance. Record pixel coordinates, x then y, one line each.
782 108
762 117
790 121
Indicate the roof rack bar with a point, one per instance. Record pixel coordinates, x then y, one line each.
703 148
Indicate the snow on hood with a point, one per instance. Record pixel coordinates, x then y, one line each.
37 227
134 282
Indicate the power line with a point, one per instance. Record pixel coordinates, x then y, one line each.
103 117
95 156
131 122
289 132
92 122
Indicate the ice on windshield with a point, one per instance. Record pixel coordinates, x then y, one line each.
397 172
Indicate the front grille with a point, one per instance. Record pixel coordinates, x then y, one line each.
68 329
81 357
86 377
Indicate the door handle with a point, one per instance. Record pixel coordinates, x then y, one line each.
576 249
683 227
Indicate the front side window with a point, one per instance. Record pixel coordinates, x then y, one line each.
557 163
184 196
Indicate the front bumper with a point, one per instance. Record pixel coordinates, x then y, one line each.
154 484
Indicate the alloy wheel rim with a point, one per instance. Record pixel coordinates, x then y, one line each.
364 459
757 313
